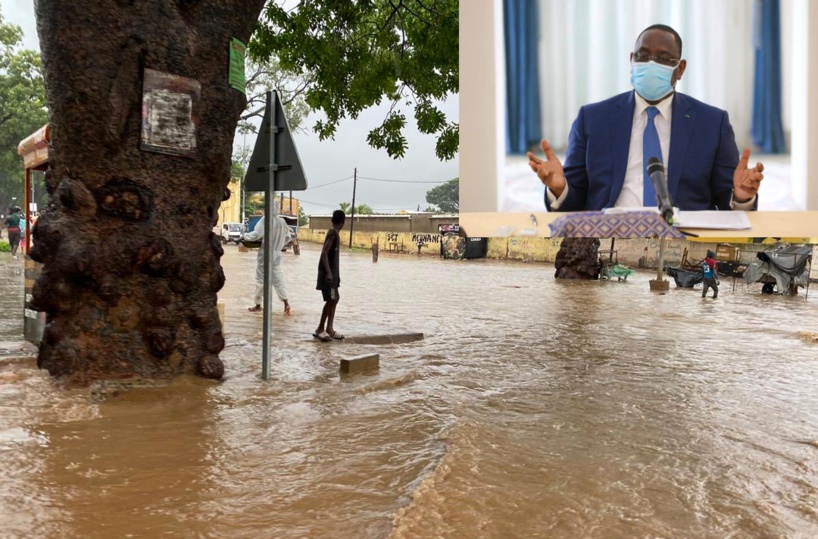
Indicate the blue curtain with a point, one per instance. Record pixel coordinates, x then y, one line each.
767 129
522 76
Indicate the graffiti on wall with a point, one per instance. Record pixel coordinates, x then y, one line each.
520 244
426 238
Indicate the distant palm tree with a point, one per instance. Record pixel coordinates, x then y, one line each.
345 206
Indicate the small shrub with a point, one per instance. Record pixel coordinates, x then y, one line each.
5 247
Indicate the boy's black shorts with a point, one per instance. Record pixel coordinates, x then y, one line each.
330 293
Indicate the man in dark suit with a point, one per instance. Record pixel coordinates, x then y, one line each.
611 141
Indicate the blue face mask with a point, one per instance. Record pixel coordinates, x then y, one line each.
651 80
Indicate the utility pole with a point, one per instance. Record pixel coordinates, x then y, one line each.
352 218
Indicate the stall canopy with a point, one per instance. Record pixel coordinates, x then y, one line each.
34 148
787 264
792 260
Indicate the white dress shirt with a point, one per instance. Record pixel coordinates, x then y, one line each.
631 194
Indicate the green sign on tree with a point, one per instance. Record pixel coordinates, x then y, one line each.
236 75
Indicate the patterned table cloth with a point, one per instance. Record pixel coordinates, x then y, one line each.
597 224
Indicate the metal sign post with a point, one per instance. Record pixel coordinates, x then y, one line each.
274 166
269 194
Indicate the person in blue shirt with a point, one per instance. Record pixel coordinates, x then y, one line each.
711 277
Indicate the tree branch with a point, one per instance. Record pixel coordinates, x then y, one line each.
430 10
252 114
394 11
418 15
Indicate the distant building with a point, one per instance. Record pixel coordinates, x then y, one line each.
417 222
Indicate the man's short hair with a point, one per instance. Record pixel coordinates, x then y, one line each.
338 217
665 28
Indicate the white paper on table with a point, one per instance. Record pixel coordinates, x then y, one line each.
715 220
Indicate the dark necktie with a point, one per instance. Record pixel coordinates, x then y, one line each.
650 148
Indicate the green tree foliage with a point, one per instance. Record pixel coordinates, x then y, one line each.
360 209
236 171
355 55
363 209
445 196
303 220
253 203
22 108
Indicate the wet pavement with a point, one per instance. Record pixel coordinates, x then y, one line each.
531 408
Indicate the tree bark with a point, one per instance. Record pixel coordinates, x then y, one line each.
578 258
130 263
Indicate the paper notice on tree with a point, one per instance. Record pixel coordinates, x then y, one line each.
714 220
169 113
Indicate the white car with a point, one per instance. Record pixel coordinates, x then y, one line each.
231 232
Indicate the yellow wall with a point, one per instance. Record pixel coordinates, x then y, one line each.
288 206
386 240
230 209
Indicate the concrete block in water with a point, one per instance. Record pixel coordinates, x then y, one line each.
659 286
393 338
367 362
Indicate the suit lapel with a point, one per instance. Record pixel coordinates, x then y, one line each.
621 127
681 131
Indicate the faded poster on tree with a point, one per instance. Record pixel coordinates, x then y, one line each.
169 106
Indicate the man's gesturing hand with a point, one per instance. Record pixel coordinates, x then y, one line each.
549 171
747 180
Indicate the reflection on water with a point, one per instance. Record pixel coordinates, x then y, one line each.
11 298
533 408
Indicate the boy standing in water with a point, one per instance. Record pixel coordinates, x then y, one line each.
329 279
711 278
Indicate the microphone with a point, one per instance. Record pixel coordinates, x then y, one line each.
656 171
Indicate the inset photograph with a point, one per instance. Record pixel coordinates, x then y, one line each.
651 112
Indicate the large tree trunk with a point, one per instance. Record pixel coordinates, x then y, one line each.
131 266
578 258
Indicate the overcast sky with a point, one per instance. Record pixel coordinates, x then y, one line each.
332 160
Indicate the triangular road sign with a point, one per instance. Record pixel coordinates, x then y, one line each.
289 174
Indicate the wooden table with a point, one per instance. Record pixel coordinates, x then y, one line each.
769 224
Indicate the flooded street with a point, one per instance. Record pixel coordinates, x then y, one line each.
532 408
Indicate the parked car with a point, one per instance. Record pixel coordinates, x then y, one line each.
231 232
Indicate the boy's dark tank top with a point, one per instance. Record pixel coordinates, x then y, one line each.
332 258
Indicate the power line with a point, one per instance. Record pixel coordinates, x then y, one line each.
361 204
318 203
400 181
330 183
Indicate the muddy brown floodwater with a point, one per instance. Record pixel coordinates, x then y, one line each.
533 408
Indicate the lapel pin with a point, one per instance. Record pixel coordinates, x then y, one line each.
687 115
